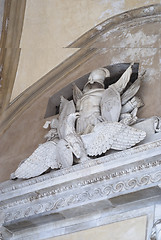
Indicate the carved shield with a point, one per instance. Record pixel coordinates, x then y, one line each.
111 105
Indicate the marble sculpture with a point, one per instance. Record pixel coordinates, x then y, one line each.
96 120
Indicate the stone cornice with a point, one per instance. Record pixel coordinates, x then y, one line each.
133 153
114 175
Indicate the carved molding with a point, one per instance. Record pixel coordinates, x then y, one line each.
100 182
152 146
146 13
103 177
76 187
85 196
11 34
154 230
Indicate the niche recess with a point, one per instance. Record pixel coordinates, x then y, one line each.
116 71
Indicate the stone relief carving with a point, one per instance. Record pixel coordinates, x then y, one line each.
111 174
96 120
156 231
5 233
107 189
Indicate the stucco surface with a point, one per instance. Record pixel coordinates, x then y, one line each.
51 25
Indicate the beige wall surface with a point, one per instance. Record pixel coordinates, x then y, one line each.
133 229
51 25
1 14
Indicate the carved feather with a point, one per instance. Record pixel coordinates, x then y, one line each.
110 105
40 160
64 154
124 79
107 136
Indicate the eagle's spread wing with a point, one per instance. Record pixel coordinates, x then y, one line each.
110 105
40 160
107 136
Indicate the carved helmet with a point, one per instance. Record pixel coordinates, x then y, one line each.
97 76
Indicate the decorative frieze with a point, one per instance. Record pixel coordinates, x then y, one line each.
84 192
91 180
94 193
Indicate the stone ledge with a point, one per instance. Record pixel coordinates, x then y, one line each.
106 182
143 151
